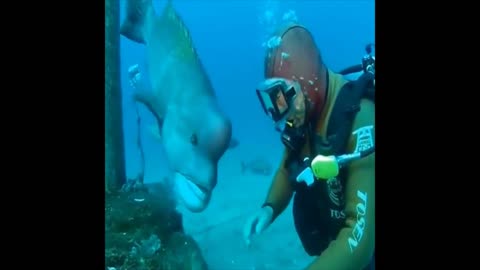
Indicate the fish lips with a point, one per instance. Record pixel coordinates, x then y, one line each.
194 197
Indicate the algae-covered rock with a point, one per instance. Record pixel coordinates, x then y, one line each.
182 252
143 231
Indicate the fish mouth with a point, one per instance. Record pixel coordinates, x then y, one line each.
198 189
194 196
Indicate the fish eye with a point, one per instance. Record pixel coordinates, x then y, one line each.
194 139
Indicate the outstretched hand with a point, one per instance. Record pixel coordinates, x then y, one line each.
257 223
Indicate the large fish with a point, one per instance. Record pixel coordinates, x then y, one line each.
195 130
154 130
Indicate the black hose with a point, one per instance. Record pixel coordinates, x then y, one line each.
352 69
367 152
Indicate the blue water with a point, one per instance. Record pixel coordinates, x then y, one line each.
228 36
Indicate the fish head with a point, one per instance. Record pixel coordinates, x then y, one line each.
194 143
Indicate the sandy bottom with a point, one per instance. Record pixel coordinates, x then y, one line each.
218 229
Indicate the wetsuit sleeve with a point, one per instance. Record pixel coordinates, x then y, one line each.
354 245
281 191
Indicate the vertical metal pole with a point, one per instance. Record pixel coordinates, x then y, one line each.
114 139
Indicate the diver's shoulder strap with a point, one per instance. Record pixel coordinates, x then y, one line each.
346 108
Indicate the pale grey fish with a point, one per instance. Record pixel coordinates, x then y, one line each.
257 166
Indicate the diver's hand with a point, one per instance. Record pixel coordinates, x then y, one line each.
257 223
134 76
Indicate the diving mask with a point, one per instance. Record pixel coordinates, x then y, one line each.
276 96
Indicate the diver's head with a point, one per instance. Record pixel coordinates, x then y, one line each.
296 57
284 102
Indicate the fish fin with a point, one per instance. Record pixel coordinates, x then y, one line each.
244 167
156 132
233 143
132 26
179 33
147 98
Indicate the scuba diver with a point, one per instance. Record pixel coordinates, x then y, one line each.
327 125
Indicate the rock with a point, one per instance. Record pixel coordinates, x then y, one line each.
143 231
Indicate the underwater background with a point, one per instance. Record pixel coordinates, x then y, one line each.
229 37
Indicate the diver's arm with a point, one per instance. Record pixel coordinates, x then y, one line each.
354 245
281 191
